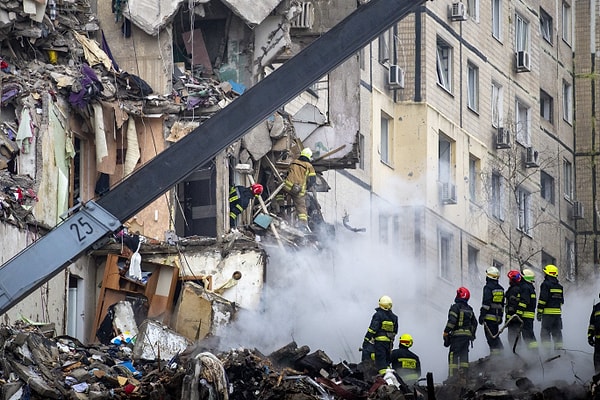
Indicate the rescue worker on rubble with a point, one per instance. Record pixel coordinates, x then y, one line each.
527 304
406 363
380 335
492 309
459 333
593 335
300 178
239 198
549 308
513 315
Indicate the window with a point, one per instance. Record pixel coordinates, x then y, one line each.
497 109
472 87
444 64
546 106
473 172
547 187
361 149
384 234
444 253
385 138
570 259
496 19
522 124
546 26
473 9
497 202
472 257
384 46
567 102
444 160
547 259
568 179
361 59
499 265
521 34
524 205
566 22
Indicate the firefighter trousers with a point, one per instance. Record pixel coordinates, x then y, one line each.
458 354
551 331
493 340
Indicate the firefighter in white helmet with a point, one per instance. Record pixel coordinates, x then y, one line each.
492 309
380 335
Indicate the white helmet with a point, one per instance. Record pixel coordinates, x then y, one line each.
492 272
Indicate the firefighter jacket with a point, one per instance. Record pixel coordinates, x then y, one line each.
551 296
594 327
461 320
527 301
492 303
406 363
512 298
239 198
302 174
383 327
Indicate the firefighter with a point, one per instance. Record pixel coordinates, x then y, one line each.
527 304
512 298
300 178
549 308
239 198
459 333
593 335
406 363
492 309
380 335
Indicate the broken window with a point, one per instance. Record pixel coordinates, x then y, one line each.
473 256
197 213
546 26
444 65
444 253
547 259
385 142
473 174
524 211
444 160
497 189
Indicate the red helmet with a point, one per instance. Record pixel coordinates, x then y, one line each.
514 276
463 293
257 189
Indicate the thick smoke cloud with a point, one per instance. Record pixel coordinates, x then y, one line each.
325 299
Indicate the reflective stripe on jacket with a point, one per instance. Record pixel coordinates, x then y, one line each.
551 296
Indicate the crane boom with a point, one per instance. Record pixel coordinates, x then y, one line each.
45 258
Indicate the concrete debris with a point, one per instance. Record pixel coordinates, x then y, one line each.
37 365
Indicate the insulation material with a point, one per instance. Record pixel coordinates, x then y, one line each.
151 16
156 341
93 53
124 318
251 11
63 153
133 149
100 134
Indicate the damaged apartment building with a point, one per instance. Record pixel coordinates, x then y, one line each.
92 91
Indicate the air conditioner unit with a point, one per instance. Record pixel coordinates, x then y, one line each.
458 11
447 193
577 210
531 158
396 77
502 138
523 61
305 18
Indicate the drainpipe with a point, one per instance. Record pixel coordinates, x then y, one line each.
395 49
418 45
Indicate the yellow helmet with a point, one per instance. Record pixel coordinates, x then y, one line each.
385 302
306 152
528 275
492 272
406 340
551 270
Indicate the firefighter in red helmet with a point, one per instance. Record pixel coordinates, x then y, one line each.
513 298
239 199
459 333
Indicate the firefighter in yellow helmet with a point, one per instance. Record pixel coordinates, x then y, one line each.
300 178
380 335
406 363
549 308
526 309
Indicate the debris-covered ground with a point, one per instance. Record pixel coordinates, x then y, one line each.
38 365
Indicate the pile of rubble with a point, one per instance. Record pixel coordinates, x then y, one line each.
37 365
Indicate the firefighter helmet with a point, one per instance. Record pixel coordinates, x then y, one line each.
514 276
385 302
492 272
257 189
463 293
551 270
306 152
528 275
406 340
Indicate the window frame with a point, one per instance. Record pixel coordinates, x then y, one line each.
444 64
384 42
547 187
570 259
567 23
497 194
497 104
522 33
444 254
568 180
497 19
472 87
473 181
385 140
523 130
567 90
445 156
546 106
546 26
473 9
525 211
